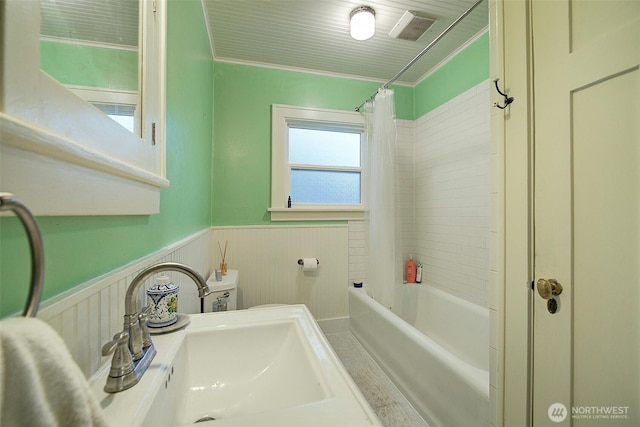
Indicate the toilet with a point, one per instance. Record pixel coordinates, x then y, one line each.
224 294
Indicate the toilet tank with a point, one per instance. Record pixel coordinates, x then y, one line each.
226 289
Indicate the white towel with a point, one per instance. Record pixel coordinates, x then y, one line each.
40 384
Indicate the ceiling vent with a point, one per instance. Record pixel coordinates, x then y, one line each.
411 26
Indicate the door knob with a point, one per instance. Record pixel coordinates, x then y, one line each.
547 288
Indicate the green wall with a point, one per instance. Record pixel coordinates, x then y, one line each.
90 66
81 248
243 99
78 249
462 72
242 149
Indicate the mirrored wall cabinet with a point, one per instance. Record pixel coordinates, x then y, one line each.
82 106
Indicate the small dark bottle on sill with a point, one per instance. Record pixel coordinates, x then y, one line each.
289 202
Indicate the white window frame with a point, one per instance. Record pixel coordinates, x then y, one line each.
285 116
98 95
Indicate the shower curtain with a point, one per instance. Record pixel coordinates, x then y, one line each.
385 252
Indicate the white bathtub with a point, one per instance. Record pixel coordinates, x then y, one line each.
440 361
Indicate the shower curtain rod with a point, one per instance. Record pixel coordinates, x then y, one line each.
419 55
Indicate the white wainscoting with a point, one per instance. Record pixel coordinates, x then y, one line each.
88 315
266 257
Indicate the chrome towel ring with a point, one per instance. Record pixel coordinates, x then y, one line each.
9 203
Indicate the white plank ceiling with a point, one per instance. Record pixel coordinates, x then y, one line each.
311 35
314 35
102 22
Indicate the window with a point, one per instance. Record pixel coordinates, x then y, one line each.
123 115
324 166
119 105
317 158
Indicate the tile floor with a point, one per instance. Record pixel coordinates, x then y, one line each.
391 407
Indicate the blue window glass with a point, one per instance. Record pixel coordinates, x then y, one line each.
323 186
322 147
325 166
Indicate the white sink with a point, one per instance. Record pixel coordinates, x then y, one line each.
268 367
244 370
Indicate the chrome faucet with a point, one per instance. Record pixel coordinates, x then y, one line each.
133 349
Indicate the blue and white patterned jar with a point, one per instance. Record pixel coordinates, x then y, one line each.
162 297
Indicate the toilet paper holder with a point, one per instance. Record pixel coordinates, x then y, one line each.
301 261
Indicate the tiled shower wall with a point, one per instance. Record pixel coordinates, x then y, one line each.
444 197
405 147
452 184
358 230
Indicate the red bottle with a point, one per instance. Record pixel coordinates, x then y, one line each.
411 270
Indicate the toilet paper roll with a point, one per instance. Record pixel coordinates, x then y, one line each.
309 264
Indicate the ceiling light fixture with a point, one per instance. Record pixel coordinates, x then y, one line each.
363 23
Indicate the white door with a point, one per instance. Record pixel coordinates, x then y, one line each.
586 365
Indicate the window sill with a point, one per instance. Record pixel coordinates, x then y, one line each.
316 214
54 176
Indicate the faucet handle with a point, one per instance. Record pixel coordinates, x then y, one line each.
120 337
144 327
122 362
